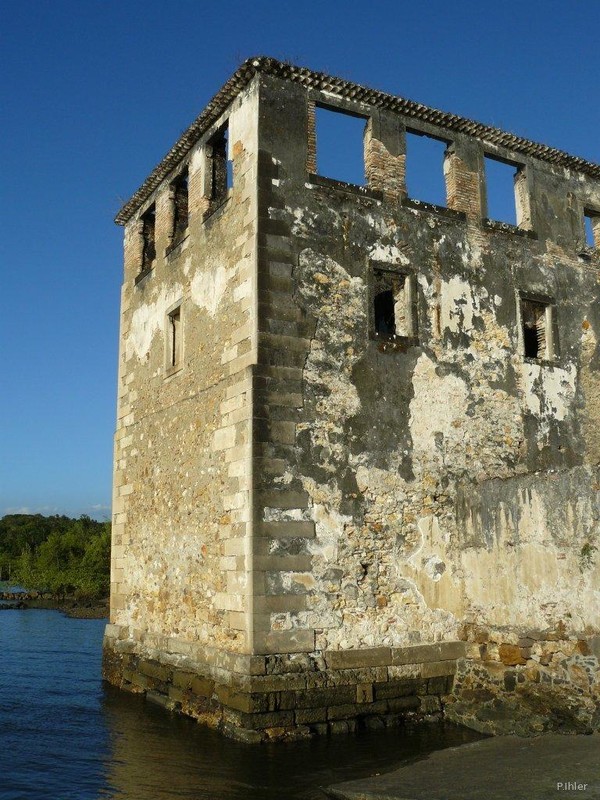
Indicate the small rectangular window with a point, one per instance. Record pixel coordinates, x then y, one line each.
538 329
393 311
592 228
180 205
174 339
425 179
148 235
340 145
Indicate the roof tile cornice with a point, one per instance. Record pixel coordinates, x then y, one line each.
351 91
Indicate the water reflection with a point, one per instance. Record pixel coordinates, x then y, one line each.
54 741
159 756
66 736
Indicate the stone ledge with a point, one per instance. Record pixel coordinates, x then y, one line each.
433 208
293 641
438 669
421 653
278 603
286 529
371 657
174 249
282 498
173 651
351 188
506 227
413 654
143 274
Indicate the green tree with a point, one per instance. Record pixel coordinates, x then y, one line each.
56 554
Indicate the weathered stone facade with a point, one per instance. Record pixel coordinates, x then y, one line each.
357 446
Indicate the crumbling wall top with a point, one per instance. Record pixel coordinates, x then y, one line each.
320 81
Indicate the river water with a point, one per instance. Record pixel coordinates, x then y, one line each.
64 735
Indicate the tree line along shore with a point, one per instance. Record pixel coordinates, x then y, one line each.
59 561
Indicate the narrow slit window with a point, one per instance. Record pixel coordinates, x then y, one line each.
537 324
425 179
500 178
174 339
221 169
592 228
180 205
340 145
393 306
148 235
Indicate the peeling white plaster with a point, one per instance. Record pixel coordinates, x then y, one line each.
149 319
437 403
471 254
458 305
388 253
330 526
549 391
434 567
208 288
303 222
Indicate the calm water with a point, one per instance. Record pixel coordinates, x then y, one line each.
64 735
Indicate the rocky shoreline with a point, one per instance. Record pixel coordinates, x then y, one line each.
71 606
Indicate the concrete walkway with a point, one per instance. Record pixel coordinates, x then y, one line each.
501 768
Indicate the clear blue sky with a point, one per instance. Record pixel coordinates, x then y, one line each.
94 94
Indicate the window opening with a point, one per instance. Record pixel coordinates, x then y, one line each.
425 168
180 205
500 180
592 228
340 145
174 342
393 312
537 325
229 174
221 169
148 234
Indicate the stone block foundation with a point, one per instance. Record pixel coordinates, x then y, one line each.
259 698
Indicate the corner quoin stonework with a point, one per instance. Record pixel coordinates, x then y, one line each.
323 519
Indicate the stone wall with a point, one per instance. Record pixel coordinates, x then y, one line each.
448 477
312 505
182 447
527 681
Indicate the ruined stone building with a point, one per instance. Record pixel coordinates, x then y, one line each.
358 443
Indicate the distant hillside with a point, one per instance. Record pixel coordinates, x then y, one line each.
57 554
